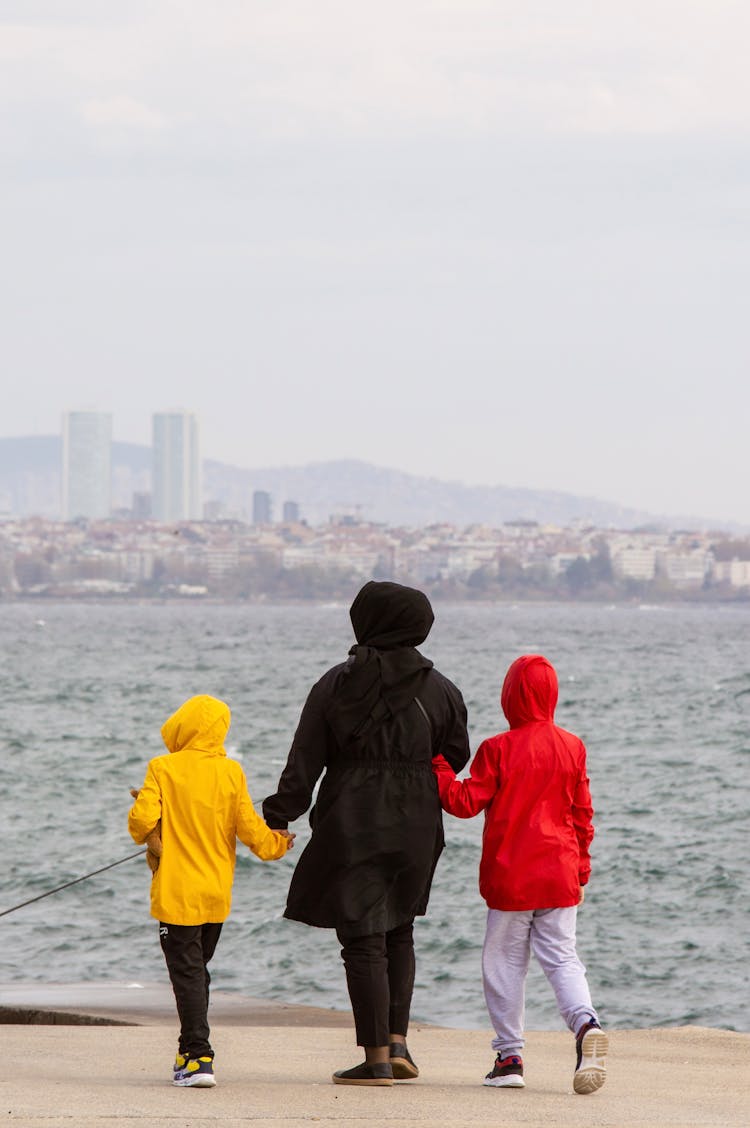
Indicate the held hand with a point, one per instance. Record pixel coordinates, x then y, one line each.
582 898
291 837
153 857
154 846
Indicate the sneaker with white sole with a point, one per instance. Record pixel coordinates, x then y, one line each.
197 1073
591 1058
506 1073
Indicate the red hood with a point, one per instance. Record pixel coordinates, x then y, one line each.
529 691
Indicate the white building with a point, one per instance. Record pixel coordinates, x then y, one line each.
634 561
86 464
734 572
361 560
685 569
176 484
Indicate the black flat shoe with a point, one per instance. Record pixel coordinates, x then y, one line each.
379 1073
403 1067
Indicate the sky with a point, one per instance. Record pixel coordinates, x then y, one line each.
493 242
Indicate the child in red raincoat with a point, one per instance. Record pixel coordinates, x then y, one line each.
531 783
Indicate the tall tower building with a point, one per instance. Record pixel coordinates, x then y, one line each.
291 512
176 483
261 508
86 464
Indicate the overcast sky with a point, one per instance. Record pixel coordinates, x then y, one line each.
496 242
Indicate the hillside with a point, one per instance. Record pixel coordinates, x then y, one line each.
30 484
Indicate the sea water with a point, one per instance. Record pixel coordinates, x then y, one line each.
660 695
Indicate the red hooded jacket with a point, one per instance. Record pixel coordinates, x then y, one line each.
531 783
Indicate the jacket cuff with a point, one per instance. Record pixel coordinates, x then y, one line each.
276 824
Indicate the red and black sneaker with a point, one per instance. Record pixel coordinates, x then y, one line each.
591 1054
506 1073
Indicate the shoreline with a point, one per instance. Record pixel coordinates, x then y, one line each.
635 602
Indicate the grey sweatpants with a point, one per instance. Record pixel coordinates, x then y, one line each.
511 936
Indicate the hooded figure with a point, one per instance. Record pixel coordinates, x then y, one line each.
532 784
370 727
199 800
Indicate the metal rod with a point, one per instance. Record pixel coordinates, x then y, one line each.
69 883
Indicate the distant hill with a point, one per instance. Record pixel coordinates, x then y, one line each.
30 484
395 498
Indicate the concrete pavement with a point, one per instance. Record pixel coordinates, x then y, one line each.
99 1076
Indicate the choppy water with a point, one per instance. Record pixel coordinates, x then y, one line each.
660 696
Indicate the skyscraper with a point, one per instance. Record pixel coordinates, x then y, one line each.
176 483
291 512
261 508
86 464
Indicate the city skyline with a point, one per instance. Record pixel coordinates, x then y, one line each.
487 243
244 560
32 482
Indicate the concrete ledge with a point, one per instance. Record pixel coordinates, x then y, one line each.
29 1016
116 1003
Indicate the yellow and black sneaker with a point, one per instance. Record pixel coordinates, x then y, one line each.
197 1073
180 1062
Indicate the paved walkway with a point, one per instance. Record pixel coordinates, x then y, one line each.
279 1075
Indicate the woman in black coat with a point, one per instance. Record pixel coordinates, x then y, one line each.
371 727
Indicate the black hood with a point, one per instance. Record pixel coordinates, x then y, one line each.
384 672
386 615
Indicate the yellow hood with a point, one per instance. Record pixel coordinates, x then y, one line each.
201 724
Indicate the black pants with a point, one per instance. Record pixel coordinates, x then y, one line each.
380 979
187 949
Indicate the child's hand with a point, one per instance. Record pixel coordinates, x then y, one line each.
582 898
154 846
440 764
290 837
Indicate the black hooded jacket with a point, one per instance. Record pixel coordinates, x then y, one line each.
370 727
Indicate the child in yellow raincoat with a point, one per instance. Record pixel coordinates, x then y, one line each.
201 801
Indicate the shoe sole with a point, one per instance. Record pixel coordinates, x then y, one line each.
592 1072
361 1080
403 1070
510 1081
195 1081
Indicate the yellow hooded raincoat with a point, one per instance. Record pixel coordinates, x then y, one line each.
202 800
